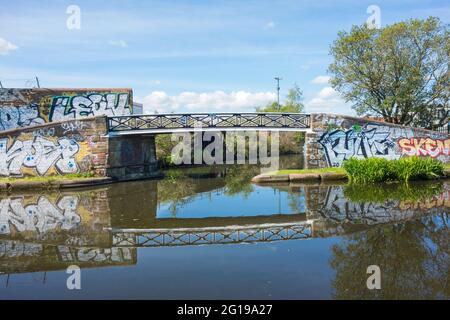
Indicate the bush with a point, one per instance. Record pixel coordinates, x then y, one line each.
415 168
373 170
369 170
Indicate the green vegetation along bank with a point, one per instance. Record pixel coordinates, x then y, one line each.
371 170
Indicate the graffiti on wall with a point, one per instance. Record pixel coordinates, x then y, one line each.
95 104
38 153
359 142
424 146
40 216
12 117
28 107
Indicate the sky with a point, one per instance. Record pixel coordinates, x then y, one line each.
183 56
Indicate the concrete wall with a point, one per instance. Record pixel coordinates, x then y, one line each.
28 107
335 138
59 148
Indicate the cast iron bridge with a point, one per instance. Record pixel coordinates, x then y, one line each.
191 122
211 235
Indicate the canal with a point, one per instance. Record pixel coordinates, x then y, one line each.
208 233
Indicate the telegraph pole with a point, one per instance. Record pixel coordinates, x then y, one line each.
37 82
278 91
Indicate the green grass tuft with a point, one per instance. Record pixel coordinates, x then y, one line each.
373 170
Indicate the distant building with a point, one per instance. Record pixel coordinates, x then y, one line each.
138 108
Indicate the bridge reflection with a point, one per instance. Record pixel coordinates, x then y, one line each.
105 226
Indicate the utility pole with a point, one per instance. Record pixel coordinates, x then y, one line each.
37 81
278 91
1 85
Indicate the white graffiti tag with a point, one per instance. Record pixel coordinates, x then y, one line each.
16 117
38 153
370 141
95 104
41 216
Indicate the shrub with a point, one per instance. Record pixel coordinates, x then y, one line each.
373 170
415 168
369 170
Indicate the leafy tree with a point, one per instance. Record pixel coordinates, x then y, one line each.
293 102
399 72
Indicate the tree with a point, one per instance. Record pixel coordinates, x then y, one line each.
399 72
292 104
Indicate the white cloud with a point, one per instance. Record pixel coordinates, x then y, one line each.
6 47
321 80
216 101
270 25
327 100
118 43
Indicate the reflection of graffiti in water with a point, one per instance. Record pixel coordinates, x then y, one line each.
40 216
17 256
95 254
340 209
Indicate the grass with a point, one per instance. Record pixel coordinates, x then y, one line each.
314 171
72 176
373 170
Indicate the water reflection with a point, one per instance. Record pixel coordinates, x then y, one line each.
403 231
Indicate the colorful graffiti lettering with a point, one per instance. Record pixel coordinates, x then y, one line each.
424 147
78 106
38 153
359 142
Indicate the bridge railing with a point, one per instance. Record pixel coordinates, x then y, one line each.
161 122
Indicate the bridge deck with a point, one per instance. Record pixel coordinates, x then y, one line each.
191 122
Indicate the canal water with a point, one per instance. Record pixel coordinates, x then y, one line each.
208 233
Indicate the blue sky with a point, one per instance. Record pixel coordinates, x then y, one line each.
189 55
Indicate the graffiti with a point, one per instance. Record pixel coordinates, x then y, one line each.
12 117
424 147
359 142
95 254
339 209
73 126
41 216
11 95
40 154
95 104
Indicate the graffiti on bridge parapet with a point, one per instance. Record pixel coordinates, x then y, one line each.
382 141
40 154
94 104
359 142
24 107
424 146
